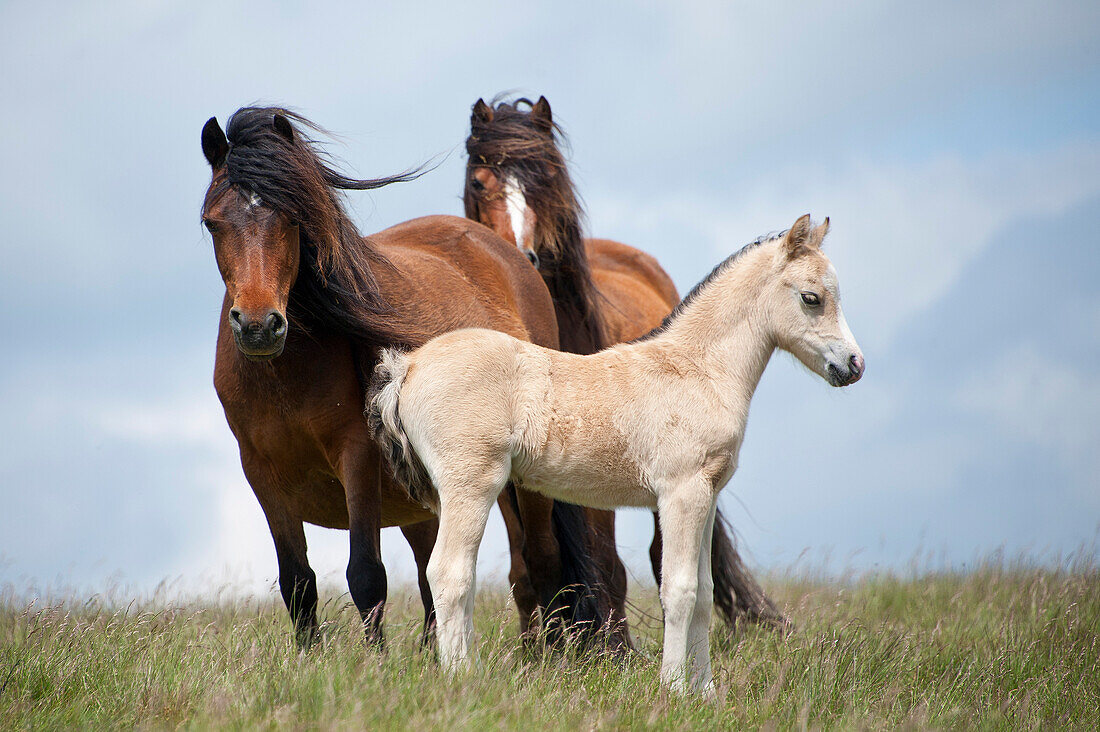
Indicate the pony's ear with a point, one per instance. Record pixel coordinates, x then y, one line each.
214 145
283 127
540 112
482 113
819 233
798 238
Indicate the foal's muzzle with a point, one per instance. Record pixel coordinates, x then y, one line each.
847 374
259 336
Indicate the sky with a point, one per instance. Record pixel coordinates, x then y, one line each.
955 148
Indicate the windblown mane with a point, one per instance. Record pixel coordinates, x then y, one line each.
720 268
514 143
336 287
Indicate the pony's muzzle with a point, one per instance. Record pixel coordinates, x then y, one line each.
258 336
849 373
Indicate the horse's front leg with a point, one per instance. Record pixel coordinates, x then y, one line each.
360 467
464 508
685 510
297 581
421 538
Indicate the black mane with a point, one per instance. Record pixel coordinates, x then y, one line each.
514 142
721 267
336 287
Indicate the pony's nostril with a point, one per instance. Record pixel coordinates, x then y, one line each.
235 319
276 324
855 363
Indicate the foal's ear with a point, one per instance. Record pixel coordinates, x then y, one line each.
214 145
819 233
482 113
283 127
798 237
540 112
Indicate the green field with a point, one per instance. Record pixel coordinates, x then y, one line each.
1002 646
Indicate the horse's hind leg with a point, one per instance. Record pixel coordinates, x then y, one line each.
655 550
464 509
421 538
523 592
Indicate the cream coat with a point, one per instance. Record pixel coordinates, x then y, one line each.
657 423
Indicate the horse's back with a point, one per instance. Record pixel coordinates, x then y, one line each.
463 275
638 290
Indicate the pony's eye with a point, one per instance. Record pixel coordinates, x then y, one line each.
811 299
210 225
476 184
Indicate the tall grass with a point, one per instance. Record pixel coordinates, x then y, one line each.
1004 645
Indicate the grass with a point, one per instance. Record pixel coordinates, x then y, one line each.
1006 645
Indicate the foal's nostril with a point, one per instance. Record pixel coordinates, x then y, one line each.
235 319
856 365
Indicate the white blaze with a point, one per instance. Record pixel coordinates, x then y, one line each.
517 209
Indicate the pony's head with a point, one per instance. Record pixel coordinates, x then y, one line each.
255 245
803 304
516 179
274 210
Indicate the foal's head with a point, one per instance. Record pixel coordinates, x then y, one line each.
516 179
803 304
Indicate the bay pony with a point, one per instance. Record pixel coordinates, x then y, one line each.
656 423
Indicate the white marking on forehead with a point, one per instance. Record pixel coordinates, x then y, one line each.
253 201
517 207
831 282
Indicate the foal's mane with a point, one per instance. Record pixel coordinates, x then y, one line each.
514 142
336 287
715 273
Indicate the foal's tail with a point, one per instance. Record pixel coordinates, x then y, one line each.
384 418
737 594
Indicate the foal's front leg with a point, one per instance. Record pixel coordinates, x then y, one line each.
699 632
684 512
464 509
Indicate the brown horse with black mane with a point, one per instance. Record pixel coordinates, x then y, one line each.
605 293
308 302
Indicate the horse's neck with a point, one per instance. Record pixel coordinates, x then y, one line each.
576 300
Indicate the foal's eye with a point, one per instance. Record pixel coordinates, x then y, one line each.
476 184
811 299
210 225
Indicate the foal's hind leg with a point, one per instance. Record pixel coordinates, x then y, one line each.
685 510
464 509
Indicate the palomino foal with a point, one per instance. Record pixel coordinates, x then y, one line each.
656 423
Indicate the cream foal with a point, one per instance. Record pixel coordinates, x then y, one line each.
656 423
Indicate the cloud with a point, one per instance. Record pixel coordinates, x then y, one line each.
926 132
900 234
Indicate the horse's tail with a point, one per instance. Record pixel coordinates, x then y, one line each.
584 599
582 602
384 418
737 594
